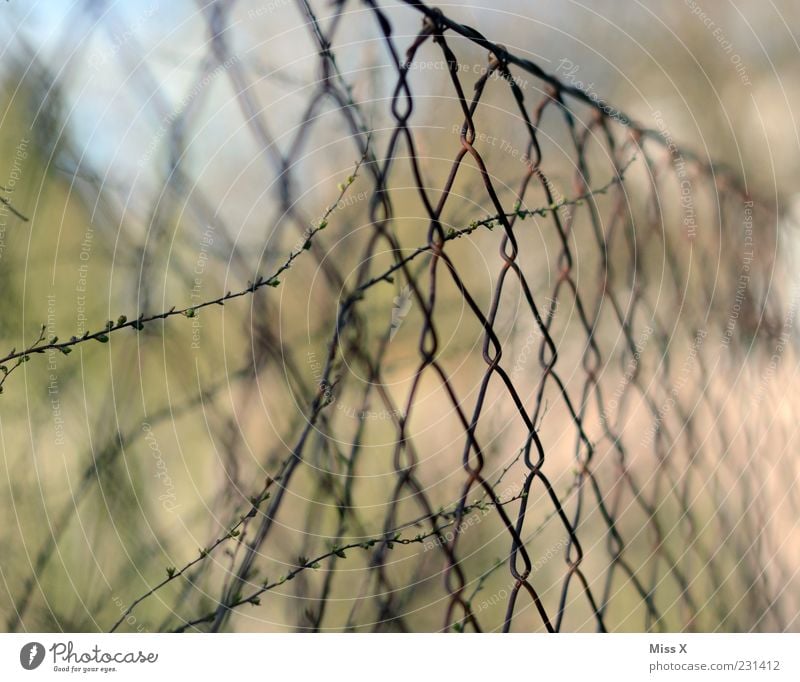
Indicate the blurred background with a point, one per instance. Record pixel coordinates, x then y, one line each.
160 154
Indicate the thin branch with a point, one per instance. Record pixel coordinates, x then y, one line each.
65 347
11 208
390 539
233 532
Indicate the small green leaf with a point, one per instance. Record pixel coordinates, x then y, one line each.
189 312
102 338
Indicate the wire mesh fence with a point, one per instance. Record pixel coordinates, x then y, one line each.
517 372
